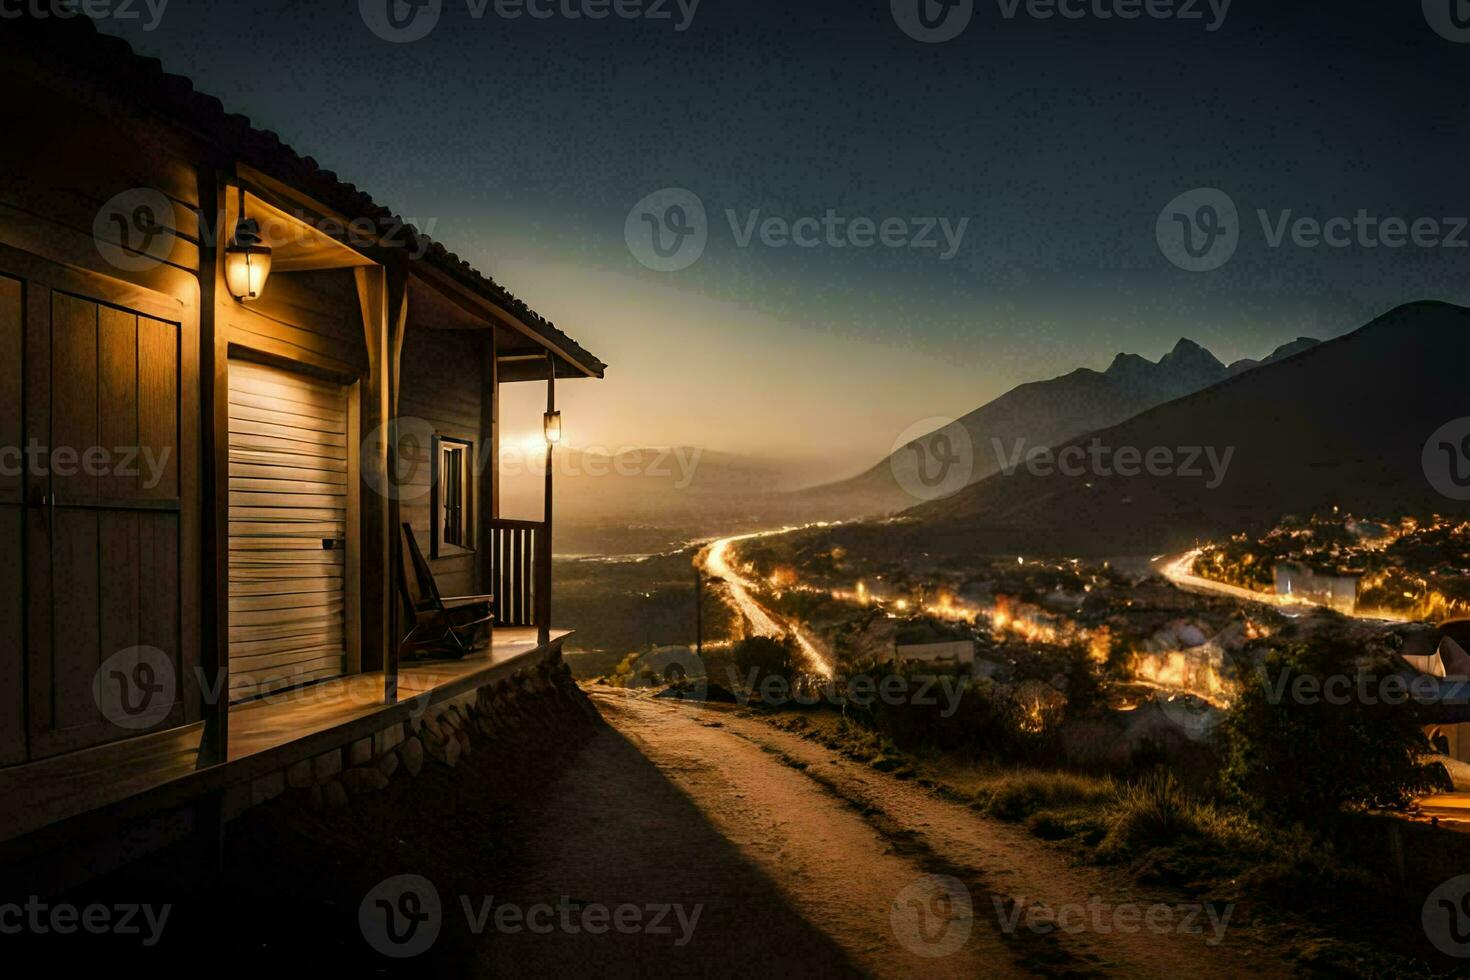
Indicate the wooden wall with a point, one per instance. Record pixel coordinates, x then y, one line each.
124 559
443 384
311 318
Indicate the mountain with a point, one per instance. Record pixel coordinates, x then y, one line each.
1344 423
1280 354
1034 415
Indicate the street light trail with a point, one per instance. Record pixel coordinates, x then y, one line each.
762 623
1178 572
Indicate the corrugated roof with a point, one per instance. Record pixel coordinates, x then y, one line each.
79 44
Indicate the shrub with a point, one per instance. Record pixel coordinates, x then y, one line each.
1299 755
1149 813
759 657
1020 794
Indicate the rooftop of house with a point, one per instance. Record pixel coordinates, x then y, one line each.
77 45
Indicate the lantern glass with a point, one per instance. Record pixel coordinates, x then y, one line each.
247 267
553 428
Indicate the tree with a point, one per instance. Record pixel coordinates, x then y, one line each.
1317 728
759 657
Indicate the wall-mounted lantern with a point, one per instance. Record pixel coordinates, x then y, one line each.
552 422
247 259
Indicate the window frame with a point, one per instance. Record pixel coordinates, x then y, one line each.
439 546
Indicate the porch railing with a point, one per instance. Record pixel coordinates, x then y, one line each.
520 570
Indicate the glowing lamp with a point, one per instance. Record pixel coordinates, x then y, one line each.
553 428
247 261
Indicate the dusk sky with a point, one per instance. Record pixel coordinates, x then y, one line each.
524 144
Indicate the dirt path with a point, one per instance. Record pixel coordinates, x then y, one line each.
883 868
677 840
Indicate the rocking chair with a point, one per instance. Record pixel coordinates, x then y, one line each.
450 625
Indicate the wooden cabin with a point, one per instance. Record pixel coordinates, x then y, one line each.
201 489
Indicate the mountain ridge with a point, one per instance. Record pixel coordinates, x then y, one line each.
1305 434
1038 414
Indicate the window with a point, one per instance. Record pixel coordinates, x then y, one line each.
453 497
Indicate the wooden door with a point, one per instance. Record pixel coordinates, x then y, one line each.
103 518
290 497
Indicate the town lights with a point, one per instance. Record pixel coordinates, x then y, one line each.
247 258
553 428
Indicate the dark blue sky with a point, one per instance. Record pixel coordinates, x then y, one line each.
525 143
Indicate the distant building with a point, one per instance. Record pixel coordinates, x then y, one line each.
959 653
1339 592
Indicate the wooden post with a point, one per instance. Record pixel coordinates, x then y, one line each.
382 293
397 295
543 562
214 453
488 476
698 612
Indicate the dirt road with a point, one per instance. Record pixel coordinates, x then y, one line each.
888 878
676 840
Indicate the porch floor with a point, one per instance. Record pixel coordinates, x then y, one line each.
154 772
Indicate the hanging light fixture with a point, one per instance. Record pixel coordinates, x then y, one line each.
552 422
247 258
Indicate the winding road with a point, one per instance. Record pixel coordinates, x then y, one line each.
1177 570
761 622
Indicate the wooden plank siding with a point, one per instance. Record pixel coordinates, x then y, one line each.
312 318
443 385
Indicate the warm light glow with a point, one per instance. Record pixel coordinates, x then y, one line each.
247 262
553 428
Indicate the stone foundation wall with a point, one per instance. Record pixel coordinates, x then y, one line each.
439 735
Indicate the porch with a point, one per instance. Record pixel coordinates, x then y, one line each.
97 789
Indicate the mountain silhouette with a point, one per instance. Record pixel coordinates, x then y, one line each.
1036 415
1342 424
